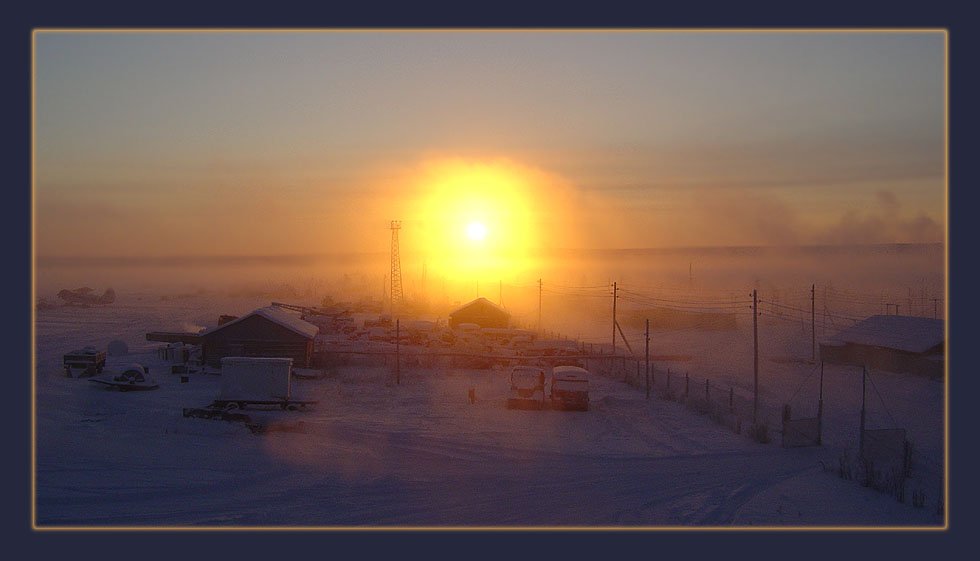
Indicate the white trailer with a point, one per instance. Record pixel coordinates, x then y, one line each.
256 381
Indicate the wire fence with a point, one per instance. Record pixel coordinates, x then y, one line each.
725 403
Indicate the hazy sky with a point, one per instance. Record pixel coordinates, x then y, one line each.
271 143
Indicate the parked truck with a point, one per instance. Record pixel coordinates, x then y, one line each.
570 388
526 388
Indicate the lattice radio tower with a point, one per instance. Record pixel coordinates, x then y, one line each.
396 266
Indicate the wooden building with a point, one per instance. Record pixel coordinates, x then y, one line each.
481 312
265 332
903 344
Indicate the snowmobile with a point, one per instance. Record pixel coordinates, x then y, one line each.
132 378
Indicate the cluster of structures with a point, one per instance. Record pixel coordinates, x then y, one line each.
259 352
479 331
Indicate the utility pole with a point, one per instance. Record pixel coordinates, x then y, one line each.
500 297
755 337
398 362
813 322
820 409
935 308
647 354
615 296
864 375
539 304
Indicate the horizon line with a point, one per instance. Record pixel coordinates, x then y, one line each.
557 250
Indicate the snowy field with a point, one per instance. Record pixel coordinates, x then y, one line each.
374 453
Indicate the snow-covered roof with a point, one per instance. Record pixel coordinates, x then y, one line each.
570 372
275 314
903 333
482 301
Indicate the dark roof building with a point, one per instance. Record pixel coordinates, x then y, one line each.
482 312
265 332
903 344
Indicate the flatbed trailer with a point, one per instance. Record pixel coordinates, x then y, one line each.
284 404
256 427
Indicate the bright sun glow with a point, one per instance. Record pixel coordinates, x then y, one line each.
476 219
476 231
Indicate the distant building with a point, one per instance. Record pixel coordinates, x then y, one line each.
903 344
265 332
481 312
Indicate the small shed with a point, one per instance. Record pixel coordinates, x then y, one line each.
265 332
903 344
481 312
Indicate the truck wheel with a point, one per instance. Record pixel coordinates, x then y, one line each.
231 406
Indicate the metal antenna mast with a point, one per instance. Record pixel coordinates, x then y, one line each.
396 266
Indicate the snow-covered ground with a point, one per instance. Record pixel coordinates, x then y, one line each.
420 454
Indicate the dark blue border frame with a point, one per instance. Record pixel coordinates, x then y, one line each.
17 229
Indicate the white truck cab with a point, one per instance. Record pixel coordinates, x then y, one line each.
526 388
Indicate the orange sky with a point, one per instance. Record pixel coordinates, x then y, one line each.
270 144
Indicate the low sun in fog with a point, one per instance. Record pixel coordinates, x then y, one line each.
476 231
482 219
474 219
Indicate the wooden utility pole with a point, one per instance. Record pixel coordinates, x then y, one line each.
615 296
820 409
813 322
647 354
755 337
384 294
539 304
864 375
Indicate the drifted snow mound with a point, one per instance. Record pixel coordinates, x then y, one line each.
612 402
118 348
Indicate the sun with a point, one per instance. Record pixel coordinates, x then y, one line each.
476 231
479 219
